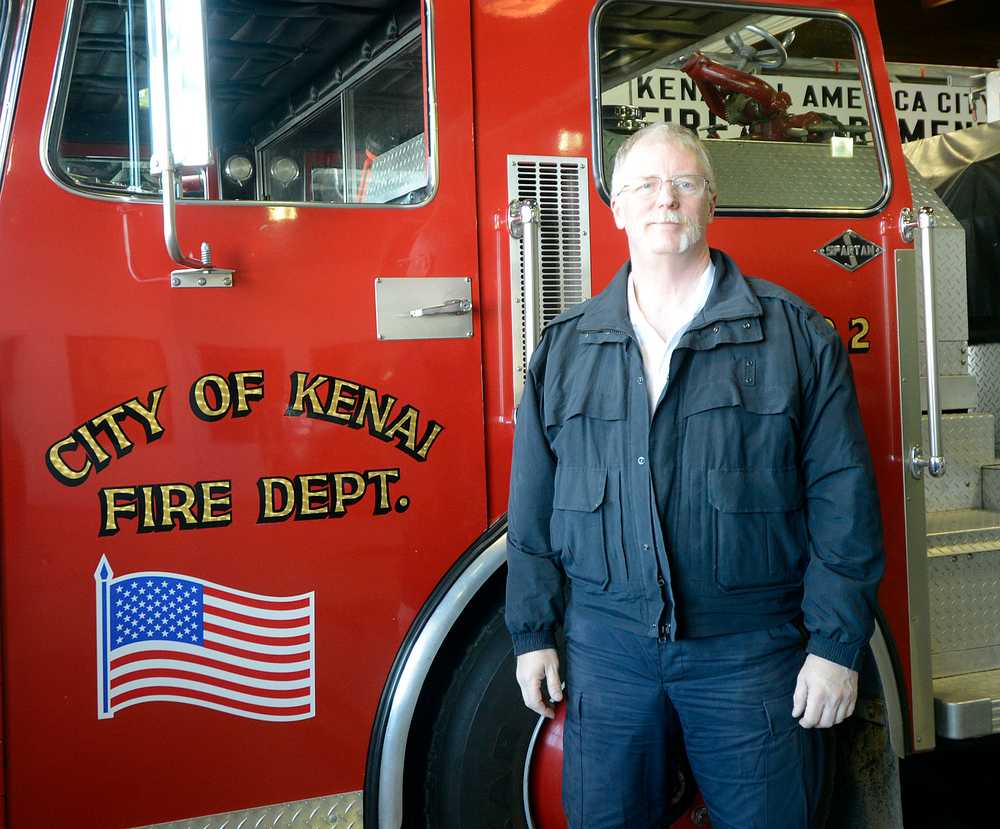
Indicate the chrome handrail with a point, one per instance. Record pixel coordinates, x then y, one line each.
935 463
523 220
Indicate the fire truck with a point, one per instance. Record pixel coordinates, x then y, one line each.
274 271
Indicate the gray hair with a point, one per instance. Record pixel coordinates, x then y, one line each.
673 134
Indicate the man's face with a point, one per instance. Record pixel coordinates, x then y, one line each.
667 223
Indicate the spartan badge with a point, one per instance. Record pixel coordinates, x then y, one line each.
849 250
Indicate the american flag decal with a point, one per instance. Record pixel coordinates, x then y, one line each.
165 637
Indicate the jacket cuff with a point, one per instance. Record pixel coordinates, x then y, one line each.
534 641
848 655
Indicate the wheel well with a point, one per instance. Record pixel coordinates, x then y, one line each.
487 602
435 623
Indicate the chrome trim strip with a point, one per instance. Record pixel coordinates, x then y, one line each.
12 82
915 516
526 777
336 810
411 680
432 117
865 76
60 87
890 691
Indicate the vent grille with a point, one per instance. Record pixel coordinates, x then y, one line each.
559 185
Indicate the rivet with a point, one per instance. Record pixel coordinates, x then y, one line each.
228 281
202 281
176 281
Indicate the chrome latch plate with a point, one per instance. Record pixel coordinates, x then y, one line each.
423 308
202 278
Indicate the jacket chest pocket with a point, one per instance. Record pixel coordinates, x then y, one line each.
726 426
760 527
586 525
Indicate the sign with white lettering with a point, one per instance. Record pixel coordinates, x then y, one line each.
922 109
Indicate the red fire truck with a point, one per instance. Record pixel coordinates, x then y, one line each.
273 274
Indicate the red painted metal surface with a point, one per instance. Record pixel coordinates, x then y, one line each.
90 322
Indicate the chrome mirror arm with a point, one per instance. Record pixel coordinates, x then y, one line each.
195 274
168 182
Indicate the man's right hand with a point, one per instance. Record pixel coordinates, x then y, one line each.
536 669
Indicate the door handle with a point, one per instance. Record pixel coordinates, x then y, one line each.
449 306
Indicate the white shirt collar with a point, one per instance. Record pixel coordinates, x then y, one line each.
656 351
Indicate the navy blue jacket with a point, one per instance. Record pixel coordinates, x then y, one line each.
745 501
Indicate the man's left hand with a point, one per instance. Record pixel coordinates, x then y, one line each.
825 693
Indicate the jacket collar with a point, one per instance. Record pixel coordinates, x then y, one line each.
731 300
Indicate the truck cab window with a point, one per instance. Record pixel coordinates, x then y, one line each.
783 98
323 104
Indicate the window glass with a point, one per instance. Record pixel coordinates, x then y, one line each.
779 99
313 103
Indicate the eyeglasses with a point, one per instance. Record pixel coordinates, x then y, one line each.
647 189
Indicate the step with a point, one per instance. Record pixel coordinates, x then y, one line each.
951 531
968 443
963 549
991 486
967 705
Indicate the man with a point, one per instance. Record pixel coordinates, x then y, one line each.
692 499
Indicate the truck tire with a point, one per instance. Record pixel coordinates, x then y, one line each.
480 740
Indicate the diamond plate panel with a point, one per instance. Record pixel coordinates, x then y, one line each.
810 176
968 446
968 705
924 194
950 285
965 602
991 487
952 358
398 171
341 811
984 365
955 530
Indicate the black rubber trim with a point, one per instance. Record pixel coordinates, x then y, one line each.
374 762
897 669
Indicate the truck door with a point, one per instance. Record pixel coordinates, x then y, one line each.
298 453
811 183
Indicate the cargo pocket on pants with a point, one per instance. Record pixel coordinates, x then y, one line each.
572 782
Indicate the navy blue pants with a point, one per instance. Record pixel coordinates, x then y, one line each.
757 768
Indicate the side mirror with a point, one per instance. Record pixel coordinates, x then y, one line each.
178 98
178 84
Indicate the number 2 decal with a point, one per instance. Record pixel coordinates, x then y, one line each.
859 344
